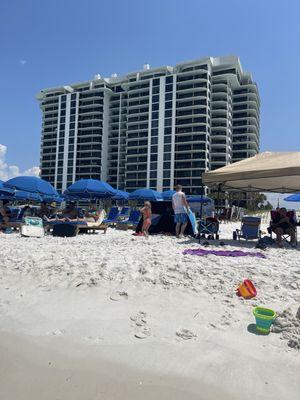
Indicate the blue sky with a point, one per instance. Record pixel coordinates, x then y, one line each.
48 43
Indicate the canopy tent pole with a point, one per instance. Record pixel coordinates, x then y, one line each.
201 211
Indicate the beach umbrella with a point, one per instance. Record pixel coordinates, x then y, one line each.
294 197
199 199
121 195
51 199
89 189
28 196
31 184
5 191
167 194
145 194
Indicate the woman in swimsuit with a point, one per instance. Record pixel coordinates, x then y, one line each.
146 212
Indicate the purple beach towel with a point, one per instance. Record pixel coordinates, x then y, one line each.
223 253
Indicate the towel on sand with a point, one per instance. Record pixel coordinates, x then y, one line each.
223 253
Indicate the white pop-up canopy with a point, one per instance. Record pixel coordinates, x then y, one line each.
265 172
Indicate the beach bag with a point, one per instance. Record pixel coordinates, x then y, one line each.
65 230
32 227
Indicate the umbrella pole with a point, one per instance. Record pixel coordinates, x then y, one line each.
218 200
201 211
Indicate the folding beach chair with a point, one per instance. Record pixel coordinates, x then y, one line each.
210 227
250 229
291 215
131 222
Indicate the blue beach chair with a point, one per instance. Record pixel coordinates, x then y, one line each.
131 222
113 216
125 212
250 229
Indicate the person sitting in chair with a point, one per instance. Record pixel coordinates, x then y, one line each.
283 224
45 211
5 213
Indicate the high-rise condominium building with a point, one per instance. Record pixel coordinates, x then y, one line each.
152 128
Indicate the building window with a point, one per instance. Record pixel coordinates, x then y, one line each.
168 122
169 88
168 105
168 96
155 82
155 90
169 79
168 113
155 99
155 115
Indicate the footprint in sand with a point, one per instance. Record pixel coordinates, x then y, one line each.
119 295
186 334
58 332
141 331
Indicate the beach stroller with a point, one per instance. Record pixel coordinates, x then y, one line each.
291 215
131 222
250 229
210 227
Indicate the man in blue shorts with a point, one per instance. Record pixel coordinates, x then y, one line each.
181 209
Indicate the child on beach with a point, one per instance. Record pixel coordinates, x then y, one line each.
146 212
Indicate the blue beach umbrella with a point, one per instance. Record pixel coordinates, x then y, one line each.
5 191
31 184
121 195
294 197
29 196
167 194
89 189
145 194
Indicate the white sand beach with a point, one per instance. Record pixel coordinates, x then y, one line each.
116 316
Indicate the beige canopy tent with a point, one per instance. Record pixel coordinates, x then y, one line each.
265 172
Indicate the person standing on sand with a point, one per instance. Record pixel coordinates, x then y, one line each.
181 209
146 212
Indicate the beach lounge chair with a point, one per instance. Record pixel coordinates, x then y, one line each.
131 222
291 215
112 217
250 228
17 218
124 214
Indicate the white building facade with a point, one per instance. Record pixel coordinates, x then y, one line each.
152 128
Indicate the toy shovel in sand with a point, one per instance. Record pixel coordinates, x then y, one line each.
264 318
246 289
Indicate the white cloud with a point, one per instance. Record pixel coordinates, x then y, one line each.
23 62
10 171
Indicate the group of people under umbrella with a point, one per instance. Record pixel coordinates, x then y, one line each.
30 189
